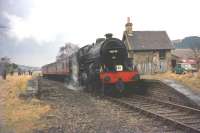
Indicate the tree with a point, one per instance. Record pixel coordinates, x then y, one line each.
8 67
15 66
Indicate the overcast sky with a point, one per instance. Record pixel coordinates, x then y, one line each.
82 21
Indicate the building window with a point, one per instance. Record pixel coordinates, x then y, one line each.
63 65
162 54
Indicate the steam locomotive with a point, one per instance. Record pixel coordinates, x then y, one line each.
101 67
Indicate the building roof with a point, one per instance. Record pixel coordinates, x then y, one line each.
183 53
148 40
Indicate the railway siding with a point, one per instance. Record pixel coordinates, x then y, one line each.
164 92
178 116
184 90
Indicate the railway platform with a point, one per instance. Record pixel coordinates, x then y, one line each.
184 90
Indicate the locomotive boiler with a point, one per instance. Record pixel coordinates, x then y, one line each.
105 67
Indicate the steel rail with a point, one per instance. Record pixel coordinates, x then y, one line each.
171 121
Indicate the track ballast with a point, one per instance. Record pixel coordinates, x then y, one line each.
178 116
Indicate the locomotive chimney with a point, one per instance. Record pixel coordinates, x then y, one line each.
129 26
108 35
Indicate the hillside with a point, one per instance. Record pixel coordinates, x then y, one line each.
188 42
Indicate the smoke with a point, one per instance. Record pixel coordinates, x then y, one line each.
73 82
67 51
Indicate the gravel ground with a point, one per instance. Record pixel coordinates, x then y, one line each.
78 112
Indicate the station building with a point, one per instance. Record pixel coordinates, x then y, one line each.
149 50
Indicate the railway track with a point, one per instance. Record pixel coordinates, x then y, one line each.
159 90
178 116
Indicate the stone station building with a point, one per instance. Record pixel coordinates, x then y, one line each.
149 50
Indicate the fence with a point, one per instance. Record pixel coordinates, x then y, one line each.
151 68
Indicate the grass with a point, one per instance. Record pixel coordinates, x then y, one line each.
21 116
189 79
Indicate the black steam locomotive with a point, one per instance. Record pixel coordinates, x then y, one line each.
101 67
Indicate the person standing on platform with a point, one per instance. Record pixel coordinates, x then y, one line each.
4 74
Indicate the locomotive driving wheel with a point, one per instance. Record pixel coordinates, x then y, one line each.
105 89
100 88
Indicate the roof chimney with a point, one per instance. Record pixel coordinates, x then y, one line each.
128 20
108 35
129 26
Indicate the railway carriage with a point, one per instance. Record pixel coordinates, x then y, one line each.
58 70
